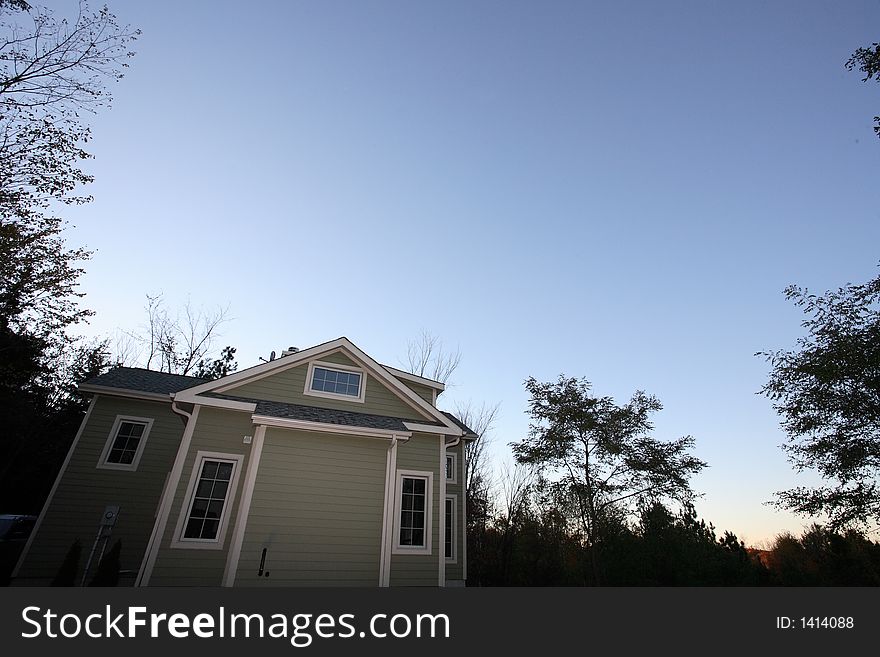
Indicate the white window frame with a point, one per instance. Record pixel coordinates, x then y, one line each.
178 541
454 500
108 446
339 368
428 476
454 478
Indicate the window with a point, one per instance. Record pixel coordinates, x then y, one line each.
450 468
412 530
450 533
335 381
126 442
207 502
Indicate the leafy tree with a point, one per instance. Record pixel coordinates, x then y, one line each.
215 368
599 457
53 72
867 60
827 391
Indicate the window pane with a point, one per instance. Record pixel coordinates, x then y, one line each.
193 528
336 382
209 529
412 511
448 532
209 500
125 443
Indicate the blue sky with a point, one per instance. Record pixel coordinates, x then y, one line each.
615 190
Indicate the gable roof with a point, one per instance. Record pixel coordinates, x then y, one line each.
377 370
142 380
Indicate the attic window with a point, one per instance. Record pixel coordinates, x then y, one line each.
335 381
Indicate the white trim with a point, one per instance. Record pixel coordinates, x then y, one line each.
415 378
454 499
428 428
362 388
244 507
429 496
27 546
158 533
342 344
123 392
229 404
463 513
441 561
323 427
177 540
454 457
111 439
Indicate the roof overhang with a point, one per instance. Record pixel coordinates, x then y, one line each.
123 392
323 427
285 362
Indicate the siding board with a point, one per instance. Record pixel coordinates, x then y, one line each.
85 490
320 520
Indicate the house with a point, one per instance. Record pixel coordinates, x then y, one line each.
319 468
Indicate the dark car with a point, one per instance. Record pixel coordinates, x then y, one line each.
14 532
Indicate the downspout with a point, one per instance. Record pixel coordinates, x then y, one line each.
185 417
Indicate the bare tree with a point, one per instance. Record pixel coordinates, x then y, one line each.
180 342
427 357
481 419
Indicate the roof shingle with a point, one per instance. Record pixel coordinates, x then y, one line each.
136 378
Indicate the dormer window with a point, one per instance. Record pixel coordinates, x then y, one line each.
335 381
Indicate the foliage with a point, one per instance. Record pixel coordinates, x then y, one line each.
107 573
598 456
66 575
215 368
827 391
52 72
824 557
867 60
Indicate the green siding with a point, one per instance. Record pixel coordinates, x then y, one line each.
216 430
421 452
288 386
317 510
425 392
339 358
84 490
